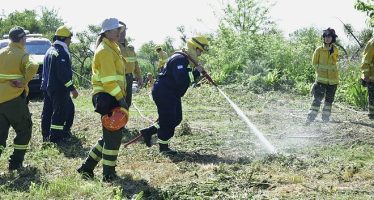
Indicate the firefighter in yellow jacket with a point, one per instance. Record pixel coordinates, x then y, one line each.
131 65
162 57
367 69
16 70
327 77
109 91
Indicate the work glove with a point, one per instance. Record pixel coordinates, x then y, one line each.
123 103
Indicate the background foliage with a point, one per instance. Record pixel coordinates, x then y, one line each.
247 49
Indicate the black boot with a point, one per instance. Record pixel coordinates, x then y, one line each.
110 177
309 120
55 138
147 135
87 168
16 160
325 118
164 149
85 172
15 166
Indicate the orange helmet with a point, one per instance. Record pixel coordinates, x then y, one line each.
117 120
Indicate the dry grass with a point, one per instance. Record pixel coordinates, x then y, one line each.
219 158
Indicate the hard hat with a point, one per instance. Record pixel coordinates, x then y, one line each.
110 24
330 32
200 42
117 120
63 31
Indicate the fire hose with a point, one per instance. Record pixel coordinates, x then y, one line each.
258 133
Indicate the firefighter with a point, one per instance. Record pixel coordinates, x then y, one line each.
109 91
131 65
149 80
162 57
50 57
60 83
169 88
327 77
16 70
367 77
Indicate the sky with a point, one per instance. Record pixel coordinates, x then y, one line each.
155 20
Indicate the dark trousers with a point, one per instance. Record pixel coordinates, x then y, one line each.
169 108
60 104
371 98
107 147
129 80
48 111
322 91
15 113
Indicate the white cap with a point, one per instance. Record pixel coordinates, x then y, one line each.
110 24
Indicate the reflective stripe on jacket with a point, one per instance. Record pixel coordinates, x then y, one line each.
108 70
367 64
324 63
15 64
130 60
58 64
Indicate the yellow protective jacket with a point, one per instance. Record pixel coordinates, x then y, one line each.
108 70
130 60
325 65
163 57
367 64
15 64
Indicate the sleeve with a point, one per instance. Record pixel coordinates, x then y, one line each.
63 70
108 74
315 58
367 59
181 77
30 66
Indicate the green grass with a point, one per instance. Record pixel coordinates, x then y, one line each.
219 158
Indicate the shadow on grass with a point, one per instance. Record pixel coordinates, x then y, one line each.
20 180
195 157
73 148
137 189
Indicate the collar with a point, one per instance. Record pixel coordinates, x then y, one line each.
17 45
112 45
63 44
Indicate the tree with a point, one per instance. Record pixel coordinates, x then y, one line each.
168 45
83 52
49 22
46 24
247 16
26 19
148 57
368 8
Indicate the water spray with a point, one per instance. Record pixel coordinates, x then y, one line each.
241 114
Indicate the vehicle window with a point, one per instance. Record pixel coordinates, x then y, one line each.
3 44
37 47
